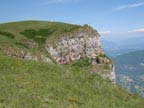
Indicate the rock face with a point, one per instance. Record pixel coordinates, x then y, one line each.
84 43
23 54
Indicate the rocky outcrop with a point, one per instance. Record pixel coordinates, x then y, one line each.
24 54
83 43
112 76
69 47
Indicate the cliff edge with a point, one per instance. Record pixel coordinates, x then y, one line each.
55 42
58 65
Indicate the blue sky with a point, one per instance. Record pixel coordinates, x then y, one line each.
109 17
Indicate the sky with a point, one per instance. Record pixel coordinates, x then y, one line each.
109 17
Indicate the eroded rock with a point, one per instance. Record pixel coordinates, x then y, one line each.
75 46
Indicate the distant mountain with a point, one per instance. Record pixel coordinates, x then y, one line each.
130 71
115 46
128 54
110 47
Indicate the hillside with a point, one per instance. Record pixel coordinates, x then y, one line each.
26 33
32 36
57 65
131 65
55 42
27 39
28 84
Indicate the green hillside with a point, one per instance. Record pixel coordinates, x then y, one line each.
27 84
18 33
31 36
35 84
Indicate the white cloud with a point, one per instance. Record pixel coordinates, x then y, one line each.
105 32
141 30
134 31
128 6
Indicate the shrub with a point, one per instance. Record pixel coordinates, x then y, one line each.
106 66
102 55
9 35
45 32
84 62
29 33
98 59
38 36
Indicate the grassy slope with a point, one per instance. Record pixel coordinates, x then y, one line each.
17 27
27 84
25 34
37 31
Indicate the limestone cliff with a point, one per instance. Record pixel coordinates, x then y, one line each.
84 42
71 47
77 42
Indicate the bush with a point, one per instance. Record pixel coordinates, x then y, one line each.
9 35
106 66
102 55
98 59
45 32
29 33
38 36
84 62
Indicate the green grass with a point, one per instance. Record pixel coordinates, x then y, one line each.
83 62
38 31
28 84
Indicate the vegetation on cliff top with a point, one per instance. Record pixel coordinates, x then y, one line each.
27 84
37 31
32 36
